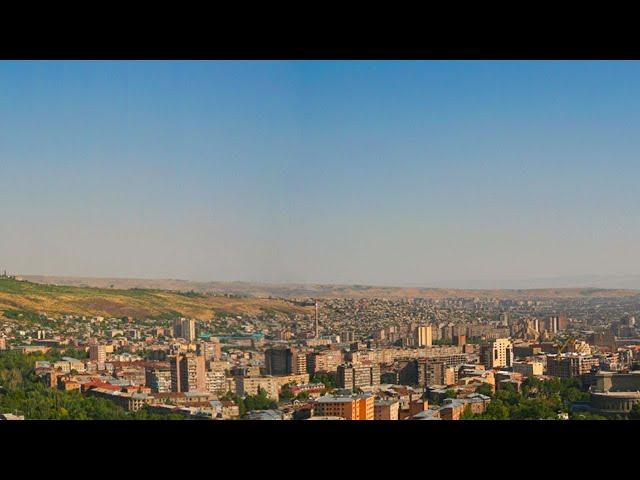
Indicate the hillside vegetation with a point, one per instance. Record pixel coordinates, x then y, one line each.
136 302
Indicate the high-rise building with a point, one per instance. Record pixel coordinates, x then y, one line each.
460 340
356 376
158 378
185 328
603 340
187 373
563 322
324 361
285 361
210 350
347 336
216 381
97 353
569 365
497 354
432 372
555 323
423 336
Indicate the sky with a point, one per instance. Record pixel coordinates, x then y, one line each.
425 173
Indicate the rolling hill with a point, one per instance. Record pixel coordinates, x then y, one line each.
28 296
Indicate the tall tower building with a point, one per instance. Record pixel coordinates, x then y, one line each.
317 321
423 336
158 378
284 361
497 354
187 373
185 328
97 353
210 350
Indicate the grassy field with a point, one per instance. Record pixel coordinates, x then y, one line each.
16 295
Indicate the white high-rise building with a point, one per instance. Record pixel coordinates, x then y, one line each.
497 354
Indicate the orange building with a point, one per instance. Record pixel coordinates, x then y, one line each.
357 407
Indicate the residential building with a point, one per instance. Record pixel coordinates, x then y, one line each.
284 361
423 336
497 353
386 409
187 373
568 365
356 407
97 353
353 377
253 386
158 378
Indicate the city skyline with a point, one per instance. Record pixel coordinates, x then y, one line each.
441 174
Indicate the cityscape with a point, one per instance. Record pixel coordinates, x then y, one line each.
319 240
464 358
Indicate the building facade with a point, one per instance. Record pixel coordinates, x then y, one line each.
497 354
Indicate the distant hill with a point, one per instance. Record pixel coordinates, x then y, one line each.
300 291
22 295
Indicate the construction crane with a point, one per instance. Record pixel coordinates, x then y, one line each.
562 346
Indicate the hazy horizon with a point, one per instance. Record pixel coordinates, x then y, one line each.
437 174
625 282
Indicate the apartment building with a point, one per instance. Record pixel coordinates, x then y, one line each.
324 361
423 336
357 407
158 378
97 353
187 373
568 365
497 353
253 386
357 376
386 409
284 361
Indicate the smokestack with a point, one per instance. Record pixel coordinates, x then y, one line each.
317 322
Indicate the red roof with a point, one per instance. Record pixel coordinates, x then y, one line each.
98 384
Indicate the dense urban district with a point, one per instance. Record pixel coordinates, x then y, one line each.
562 357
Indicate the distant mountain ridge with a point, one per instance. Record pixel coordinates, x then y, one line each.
291 291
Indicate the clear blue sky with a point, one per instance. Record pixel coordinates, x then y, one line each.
423 173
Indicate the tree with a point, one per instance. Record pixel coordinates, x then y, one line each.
286 394
451 393
23 392
485 389
496 410
259 402
467 414
328 379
